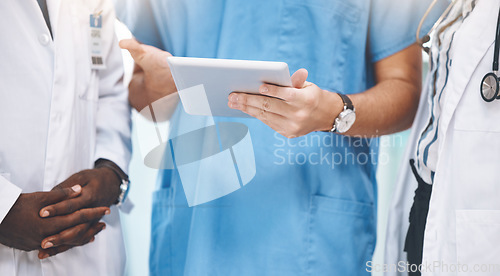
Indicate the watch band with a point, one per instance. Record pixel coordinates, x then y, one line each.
110 165
124 180
347 105
347 101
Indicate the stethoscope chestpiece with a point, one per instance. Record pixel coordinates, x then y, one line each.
489 87
489 84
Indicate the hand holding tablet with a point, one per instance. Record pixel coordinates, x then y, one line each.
202 81
291 111
218 87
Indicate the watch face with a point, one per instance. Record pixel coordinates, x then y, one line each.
345 121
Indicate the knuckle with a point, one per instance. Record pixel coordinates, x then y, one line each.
309 100
149 84
69 207
297 118
83 216
243 99
266 105
59 188
277 90
294 130
290 94
79 177
59 239
86 200
263 115
81 229
57 192
87 196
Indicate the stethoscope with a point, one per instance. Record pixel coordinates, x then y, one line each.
490 84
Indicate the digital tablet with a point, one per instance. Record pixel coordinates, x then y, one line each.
204 84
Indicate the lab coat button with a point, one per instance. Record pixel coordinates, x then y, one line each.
44 39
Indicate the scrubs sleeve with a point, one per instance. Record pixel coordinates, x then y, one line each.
113 121
138 16
393 24
8 196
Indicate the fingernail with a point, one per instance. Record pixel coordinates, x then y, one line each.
104 227
76 188
264 89
107 212
233 98
92 240
45 214
47 245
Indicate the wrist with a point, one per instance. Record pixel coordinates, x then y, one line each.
330 107
110 167
116 180
123 180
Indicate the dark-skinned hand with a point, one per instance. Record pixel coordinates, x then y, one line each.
24 229
100 188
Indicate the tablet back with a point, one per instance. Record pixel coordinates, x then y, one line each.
205 84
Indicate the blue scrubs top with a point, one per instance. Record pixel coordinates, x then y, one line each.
303 213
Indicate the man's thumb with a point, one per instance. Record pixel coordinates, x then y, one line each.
299 78
134 47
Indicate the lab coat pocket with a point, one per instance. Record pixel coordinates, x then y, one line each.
341 236
317 35
478 241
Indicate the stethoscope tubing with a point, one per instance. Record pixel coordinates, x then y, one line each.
489 76
422 40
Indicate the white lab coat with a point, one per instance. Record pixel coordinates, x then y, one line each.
57 116
463 225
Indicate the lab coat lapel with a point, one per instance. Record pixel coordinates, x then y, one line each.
468 53
54 7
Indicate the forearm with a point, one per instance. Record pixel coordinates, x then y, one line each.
391 104
387 108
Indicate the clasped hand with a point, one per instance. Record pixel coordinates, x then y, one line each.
67 216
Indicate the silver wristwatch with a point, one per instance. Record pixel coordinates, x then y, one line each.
346 118
124 188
